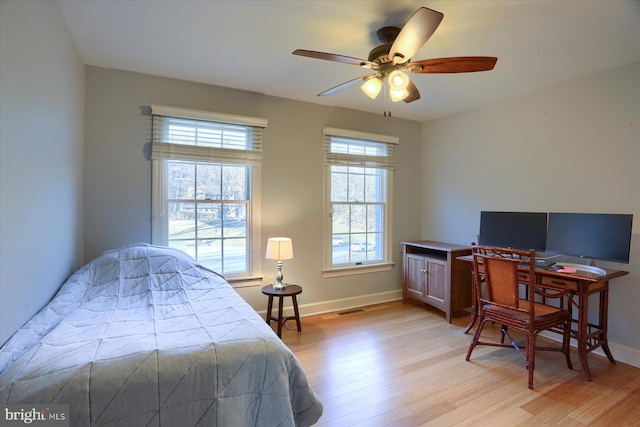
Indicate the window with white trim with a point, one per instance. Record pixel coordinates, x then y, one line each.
359 172
206 175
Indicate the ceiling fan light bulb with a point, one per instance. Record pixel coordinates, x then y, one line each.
398 80
398 95
372 87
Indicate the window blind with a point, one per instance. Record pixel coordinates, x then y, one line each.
192 135
352 148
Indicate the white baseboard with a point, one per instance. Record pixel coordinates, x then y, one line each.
624 354
342 304
621 353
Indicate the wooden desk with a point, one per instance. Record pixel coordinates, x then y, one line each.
589 336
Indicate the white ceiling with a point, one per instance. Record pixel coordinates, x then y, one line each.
247 44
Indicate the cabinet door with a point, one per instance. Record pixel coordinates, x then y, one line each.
415 279
436 291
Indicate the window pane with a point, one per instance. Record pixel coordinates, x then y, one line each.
186 246
209 221
181 177
210 253
374 218
234 182
235 220
182 221
356 186
340 219
358 218
373 186
209 181
374 245
235 255
338 184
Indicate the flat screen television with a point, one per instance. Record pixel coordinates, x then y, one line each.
605 237
516 230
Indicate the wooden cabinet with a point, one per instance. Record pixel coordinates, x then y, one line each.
433 275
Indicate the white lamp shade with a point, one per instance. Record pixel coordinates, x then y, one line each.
398 95
372 87
279 248
398 80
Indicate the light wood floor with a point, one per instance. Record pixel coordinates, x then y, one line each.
403 365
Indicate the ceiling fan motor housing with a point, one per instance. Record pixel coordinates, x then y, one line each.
386 35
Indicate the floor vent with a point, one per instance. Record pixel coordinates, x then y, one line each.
357 310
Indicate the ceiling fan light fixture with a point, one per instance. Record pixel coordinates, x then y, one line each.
398 81
372 87
398 95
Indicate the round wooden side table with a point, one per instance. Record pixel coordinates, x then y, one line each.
289 291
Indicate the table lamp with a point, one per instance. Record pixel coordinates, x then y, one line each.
279 248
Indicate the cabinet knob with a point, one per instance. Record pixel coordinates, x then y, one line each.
424 270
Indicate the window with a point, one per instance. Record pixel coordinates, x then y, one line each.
205 186
359 172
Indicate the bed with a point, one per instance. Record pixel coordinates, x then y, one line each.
145 336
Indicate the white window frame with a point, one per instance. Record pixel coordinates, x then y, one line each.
387 162
161 153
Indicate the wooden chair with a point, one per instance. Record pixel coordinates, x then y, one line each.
502 270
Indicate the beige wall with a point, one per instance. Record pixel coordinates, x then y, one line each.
41 137
118 175
574 147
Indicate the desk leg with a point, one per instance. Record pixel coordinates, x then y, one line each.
474 305
604 310
280 319
583 312
269 307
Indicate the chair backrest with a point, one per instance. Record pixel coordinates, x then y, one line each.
498 269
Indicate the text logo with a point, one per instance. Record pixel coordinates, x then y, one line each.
41 415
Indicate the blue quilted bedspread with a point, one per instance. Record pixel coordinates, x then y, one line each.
144 336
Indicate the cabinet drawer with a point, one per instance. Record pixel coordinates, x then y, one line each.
559 283
523 277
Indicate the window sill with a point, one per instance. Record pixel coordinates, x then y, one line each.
357 269
245 282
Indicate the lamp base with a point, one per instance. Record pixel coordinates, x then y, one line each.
278 286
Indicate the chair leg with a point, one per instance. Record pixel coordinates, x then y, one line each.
531 356
503 330
476 337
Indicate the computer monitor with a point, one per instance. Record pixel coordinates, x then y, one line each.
605 237
517 230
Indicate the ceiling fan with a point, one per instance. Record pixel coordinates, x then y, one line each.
392 59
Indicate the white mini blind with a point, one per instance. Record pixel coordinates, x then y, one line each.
360 149
193 135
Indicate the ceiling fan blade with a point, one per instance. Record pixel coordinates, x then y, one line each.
458 64
337 58
414 34
344 85
414 94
